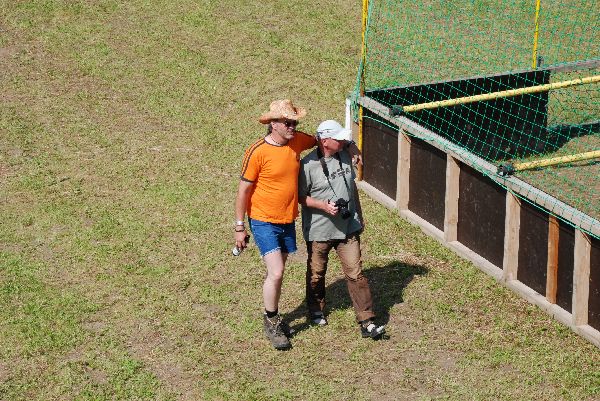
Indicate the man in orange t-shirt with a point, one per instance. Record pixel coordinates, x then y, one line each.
268 193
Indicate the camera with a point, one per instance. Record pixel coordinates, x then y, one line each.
342 206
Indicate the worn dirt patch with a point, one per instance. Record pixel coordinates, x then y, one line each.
96 376
151 347
95 327
6 52
4 373
75 355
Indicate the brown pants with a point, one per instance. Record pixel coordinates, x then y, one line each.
348 251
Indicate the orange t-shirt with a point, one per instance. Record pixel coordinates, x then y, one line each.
274 171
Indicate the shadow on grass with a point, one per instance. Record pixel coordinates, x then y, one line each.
387 286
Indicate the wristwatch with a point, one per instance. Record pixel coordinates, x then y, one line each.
239 223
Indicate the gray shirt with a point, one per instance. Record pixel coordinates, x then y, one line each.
312 181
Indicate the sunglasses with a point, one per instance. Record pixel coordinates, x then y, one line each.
290 123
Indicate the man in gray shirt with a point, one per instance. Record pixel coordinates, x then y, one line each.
332 219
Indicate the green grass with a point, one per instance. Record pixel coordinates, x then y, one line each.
122 128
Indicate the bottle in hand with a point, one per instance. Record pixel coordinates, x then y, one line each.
237 251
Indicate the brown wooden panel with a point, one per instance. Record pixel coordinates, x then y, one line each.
594 302
533 247
481 213
380 154
566 251
427 182
552 267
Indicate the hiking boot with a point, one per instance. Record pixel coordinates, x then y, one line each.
274 332
369 329
318 318
287 330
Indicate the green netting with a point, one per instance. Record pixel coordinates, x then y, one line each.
418 52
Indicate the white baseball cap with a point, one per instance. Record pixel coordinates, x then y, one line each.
332 129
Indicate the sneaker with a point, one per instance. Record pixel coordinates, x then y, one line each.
274 332
318 318
371 330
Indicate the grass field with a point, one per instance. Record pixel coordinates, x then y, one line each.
413 43
122 127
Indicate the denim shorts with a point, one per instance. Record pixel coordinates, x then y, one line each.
271 237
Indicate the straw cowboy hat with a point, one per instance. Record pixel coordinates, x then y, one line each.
282 109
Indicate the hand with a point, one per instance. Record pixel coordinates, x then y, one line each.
329 208
356 154
240 239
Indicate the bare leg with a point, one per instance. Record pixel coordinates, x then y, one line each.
275 262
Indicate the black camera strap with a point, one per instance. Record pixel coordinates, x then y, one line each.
336 155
